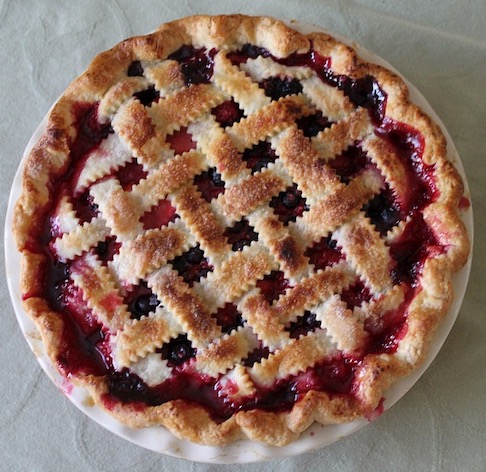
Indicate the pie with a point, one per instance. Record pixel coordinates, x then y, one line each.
232 230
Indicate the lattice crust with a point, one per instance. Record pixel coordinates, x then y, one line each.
167 179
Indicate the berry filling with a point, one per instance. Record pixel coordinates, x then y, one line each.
273 285
125 386
464 203
107 249
89 131
229 318
210 184
181 141
409 146
141 301
177 351
196 64
84 348
312 125
386 332
303 325
334 375
83 354
259 156
324 253
130 174
148 96
192 265
277 87
248 51
183 385
85 207
159 215
289 205
416 243
356 295
383 211
261 352
241 234
364 92
349 163
227 113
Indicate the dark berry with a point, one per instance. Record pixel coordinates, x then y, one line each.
215 177
324 253
135 69
141 301
147 97
256 356
192 265
91 129
107 249
194 255
196 64
383 212
178 350
365 92
85 207
241 234
303 325
248 51
289 205
259 156
127 386
102 248
90 132
130 174
179 264
312 125
411 249
253 52
146 303
290 200
276 87
210 184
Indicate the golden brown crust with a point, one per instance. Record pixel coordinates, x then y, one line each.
335 207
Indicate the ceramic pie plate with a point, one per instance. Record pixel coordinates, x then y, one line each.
159 439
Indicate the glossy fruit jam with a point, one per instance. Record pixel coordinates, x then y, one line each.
86 344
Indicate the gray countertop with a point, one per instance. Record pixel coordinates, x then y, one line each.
440 46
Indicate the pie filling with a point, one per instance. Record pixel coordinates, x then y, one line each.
86 343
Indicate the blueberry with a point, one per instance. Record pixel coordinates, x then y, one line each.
144 304
102 248
290 200
148 96
194 255
127 386
276 87
216 177
178 350
135 69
